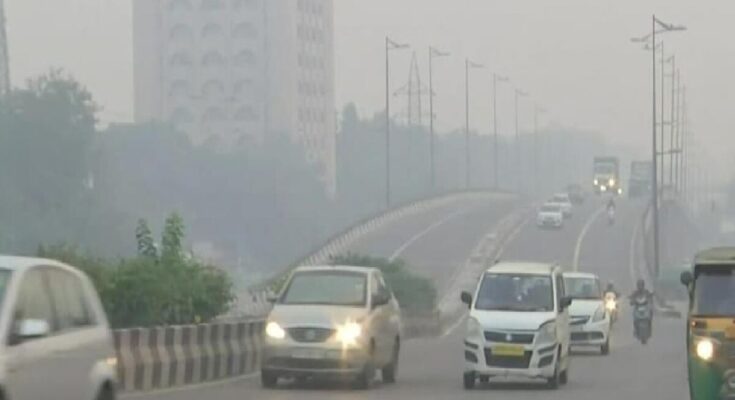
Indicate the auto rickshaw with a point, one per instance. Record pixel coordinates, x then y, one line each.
711 324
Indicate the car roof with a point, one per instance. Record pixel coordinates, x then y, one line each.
716 256
580 275
18 263
345 268
522 267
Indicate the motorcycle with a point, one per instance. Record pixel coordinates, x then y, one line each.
611 305
611 216
642 317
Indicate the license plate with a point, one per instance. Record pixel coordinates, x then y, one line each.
308 354
512 351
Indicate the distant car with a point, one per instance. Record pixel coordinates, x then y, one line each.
518 325
576 193
566 205
589 318
333 321
550 215
57 343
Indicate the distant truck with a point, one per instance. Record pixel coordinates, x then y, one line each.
606 175
641 179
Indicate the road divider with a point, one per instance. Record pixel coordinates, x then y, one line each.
168 357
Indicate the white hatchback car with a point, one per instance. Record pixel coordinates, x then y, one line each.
333 321
56 340
550 215
518 326
589 318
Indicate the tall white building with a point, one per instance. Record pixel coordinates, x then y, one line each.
4 62
231 71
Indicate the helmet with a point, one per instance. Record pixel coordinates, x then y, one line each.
610 286
640 284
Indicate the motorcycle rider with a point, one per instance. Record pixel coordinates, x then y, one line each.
610 294
611 289
642 291
610 211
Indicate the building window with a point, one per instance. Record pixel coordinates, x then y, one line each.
213 89
245 58
211 31
180 60
212 4
181 33
246 113
244 30
179 5
212 59
182 116
213 114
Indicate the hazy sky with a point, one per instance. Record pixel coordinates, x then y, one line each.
573 56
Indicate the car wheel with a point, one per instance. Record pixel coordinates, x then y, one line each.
564 377
484 379
268 379
390 371
553 381
468 380
365 378
605 348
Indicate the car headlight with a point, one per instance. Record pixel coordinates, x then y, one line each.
603 188
705 348
274 331
611 305
547 333
349 333
474 329
611 182
599 315
596 182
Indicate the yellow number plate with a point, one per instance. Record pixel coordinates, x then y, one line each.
513 351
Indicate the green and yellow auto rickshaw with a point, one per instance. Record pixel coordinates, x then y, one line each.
711 324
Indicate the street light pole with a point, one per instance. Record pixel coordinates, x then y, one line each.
467 65
518 93
433 53
389 45
654 205
536 111
496 79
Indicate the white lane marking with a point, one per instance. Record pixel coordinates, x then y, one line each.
580 239
454 326
632 256
512 237
421 234
197 386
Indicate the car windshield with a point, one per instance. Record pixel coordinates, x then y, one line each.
4 279
515 292
561 198
550 208
339 288
714 292
582 288
604 169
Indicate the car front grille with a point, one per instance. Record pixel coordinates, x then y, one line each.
513 362
582 336
298 363
509 337
310 335
579 320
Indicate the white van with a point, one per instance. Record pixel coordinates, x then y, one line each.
518 325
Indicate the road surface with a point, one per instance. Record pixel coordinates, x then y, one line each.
432 368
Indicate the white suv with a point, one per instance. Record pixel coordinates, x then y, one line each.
56 340
518 326
564 202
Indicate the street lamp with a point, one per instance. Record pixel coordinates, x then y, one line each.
496 78
536 111
467 65
518 93
389 45
662 28
433 53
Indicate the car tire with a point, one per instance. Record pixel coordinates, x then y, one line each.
554 381
106 393
268 380
390 371
468 380
605 348
366 376
564 377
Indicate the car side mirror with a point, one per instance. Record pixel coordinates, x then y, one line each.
565 303
272 298
380 300
466 298
32 329
686 278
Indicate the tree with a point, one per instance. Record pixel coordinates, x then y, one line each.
172 237
144 238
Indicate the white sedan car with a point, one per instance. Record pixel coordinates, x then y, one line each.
566 204
589 319
550 215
